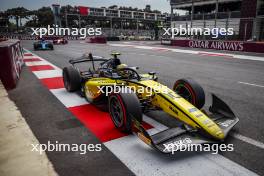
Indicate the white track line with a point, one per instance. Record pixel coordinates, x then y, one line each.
255 58
250 84
248 140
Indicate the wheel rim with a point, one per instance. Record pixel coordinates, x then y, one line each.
184 92
116 111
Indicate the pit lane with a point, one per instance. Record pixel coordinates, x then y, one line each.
215 73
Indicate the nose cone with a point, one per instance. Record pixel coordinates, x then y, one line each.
216 132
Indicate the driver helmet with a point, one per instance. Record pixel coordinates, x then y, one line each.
123 73
120 66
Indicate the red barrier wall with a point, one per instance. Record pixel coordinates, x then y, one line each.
11 62
96 40
221 45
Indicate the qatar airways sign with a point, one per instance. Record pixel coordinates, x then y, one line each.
218 45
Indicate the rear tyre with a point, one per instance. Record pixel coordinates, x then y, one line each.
191 91
71 79
123 107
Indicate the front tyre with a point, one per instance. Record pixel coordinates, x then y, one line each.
191 91
123 107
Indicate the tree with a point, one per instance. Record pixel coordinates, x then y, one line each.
72 15
113 7
33 22
40 18
17 14
68 9
45 16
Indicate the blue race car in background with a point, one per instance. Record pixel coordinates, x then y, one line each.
43 45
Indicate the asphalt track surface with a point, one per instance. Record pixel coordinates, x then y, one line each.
238 82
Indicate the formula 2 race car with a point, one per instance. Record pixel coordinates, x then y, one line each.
183 102
43 45
59 41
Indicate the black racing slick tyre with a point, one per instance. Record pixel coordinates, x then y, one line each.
35 47
71 79
191 91
51 46
123 107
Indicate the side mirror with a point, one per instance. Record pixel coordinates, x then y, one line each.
90 56
153 74
135 68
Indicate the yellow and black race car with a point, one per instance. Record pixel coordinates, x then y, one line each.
129 94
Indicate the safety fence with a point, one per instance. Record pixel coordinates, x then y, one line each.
11 62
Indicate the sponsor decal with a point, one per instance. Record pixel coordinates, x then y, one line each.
163 41
174 110
199 115
226 123
172 95
192 110
206 121
218 45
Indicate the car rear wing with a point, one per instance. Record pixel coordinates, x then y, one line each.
80 60
88 58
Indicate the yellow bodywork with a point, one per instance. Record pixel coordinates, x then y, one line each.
161 97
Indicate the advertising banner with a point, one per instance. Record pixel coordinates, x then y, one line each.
83 10
221 45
